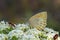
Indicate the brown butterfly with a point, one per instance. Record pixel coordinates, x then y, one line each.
39 20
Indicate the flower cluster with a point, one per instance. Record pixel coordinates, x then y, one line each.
24 32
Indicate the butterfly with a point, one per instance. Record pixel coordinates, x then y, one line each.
39 20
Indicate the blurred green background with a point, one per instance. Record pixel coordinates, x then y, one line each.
19 11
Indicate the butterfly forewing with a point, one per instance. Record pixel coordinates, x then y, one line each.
39 20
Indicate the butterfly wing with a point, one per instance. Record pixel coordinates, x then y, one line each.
39 20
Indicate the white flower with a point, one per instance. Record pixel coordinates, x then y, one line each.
33 31
23 27
29 37
51 33
16 33
3 25
58 38
3 37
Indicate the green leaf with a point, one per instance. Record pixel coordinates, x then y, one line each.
14 38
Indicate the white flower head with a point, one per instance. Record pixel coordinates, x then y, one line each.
16 33
3 37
